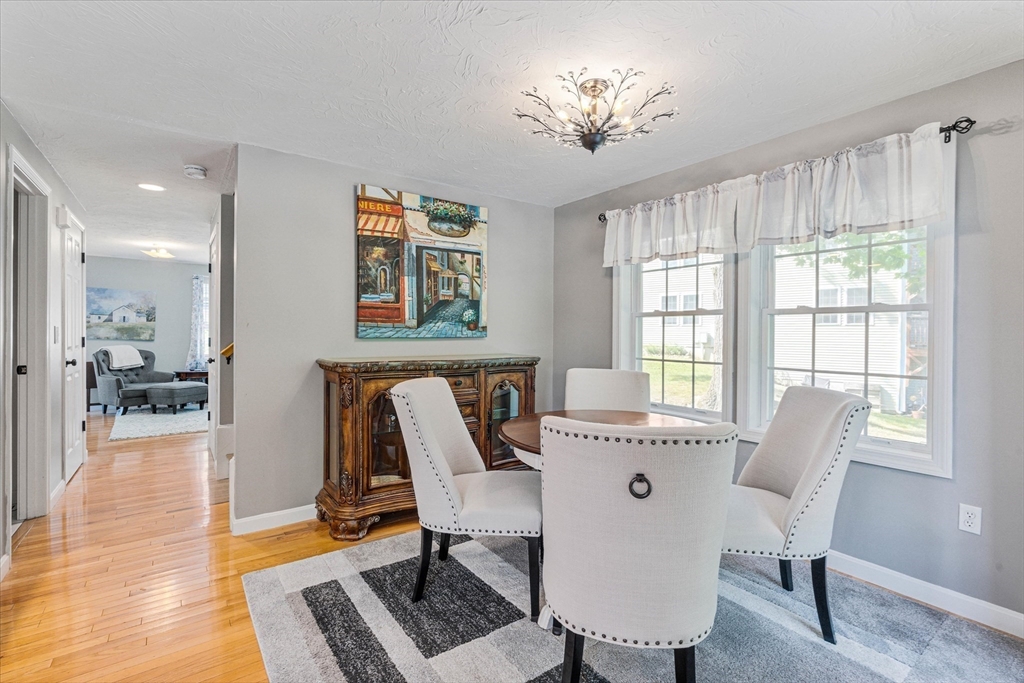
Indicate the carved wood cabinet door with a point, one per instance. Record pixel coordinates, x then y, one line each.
385 463
507 395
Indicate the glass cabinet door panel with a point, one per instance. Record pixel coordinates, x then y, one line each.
388 461
505 405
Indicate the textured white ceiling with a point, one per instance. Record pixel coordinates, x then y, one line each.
120 93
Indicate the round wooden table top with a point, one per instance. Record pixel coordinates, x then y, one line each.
524 432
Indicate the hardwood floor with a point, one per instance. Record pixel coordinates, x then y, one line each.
135 575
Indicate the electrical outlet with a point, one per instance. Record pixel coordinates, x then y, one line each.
970 519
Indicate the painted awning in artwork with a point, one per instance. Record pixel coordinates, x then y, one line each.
432 264
449 273
379 225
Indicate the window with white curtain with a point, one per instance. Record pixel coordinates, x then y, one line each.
679 343
838 273
870 315
205 334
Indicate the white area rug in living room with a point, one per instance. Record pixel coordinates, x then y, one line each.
141 423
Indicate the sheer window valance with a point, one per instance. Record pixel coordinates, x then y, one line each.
895 183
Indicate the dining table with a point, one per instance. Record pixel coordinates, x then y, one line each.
523 433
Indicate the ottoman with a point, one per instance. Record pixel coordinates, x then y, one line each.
176 394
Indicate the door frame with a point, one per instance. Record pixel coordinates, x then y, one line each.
65 221
21 175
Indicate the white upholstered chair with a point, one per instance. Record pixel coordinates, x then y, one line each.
784 502
599 389
633 524
454 492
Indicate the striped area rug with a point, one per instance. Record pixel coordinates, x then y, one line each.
346 616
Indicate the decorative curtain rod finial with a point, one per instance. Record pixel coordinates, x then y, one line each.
601 217
961 125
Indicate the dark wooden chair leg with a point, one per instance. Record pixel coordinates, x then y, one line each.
541 542
534 544
174 409
152 407
819 573
104 409
572 664
556 627
686 665
786 572
426 547
124 410
446 540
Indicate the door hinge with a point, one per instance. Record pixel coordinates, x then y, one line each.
83 257
207 415
83 341
83 425
209 267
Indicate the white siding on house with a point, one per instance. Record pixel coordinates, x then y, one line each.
843 351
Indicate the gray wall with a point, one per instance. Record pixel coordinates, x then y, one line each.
295 294
11 133
172 283
903 521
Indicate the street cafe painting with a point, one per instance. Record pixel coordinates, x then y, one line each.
422 265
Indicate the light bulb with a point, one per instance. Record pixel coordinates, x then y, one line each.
562 115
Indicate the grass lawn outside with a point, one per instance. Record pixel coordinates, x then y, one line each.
682 382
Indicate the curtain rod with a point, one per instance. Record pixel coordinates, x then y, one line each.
961 125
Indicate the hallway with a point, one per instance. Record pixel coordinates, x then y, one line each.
135 574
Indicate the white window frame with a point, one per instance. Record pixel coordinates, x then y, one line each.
941 272
626 303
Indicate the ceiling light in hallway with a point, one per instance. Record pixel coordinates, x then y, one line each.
195 172
158 253
589 120
151 187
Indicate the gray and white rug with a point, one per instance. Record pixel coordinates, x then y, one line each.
346 616
141 423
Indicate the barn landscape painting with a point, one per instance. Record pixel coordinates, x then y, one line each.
422 264
120 314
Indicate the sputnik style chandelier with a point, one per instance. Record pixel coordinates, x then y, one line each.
584 122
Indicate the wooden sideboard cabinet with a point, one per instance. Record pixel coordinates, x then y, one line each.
366 472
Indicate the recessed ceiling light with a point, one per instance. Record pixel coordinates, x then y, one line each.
158 253
150 187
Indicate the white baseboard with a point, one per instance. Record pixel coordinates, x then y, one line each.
270 520
965 606
5 566
57 493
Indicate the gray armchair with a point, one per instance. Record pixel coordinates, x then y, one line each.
126 388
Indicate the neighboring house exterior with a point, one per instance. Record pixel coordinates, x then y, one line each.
96 318
843 342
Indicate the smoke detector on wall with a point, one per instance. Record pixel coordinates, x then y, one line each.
195 172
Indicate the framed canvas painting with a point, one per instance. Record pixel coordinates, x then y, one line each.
422 264
120 314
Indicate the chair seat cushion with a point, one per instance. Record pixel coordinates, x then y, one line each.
500 502
171 393
754 524
135 390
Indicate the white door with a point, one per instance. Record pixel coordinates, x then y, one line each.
214 378
74 352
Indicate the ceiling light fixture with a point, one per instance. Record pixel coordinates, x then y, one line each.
158 253
583 123
195 172
151 188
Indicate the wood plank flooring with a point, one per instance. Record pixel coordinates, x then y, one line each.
135 575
